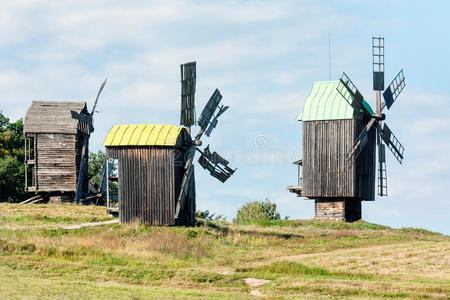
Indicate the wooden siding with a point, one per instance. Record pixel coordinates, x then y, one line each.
56 169
326 171
149 185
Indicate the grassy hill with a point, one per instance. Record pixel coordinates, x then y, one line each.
297 258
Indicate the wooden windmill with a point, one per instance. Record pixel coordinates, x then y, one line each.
156 179
340 135
56 150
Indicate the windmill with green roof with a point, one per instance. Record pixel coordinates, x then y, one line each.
156 182
341 133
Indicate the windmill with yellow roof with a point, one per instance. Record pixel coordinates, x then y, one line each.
156 182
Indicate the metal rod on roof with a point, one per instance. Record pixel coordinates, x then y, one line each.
329 56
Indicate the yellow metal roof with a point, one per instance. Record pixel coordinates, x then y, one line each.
143 135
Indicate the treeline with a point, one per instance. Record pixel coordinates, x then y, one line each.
12 177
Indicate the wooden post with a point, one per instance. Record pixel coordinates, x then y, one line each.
107 180
26 166
82 170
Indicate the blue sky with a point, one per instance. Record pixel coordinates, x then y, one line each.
263 56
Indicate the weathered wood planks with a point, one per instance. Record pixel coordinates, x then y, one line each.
55 144
149 185
326 170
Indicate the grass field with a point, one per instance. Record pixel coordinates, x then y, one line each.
300 259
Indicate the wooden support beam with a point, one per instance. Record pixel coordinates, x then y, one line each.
185 183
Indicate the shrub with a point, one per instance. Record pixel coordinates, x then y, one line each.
209 216
257 211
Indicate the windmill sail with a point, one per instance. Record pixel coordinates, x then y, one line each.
378 63
361 141
393 143
351 94
394 89
209 109
382 174
215 164
88 120
188 81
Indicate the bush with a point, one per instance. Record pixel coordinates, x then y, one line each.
257 211
11 179
209 216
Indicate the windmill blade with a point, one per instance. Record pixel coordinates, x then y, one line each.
209 109
215 164
98 95
207 120
351 94
394 89
393 143
361 141
188 81
378 63
382 175
212 125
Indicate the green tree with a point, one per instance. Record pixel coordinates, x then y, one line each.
12 179
95 165
257 211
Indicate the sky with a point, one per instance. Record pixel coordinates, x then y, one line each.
264 57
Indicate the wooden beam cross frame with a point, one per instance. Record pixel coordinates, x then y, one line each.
186 182
87 119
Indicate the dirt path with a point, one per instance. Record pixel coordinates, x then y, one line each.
79 226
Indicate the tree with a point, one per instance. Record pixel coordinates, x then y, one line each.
96 161
12 179
95 165
257 211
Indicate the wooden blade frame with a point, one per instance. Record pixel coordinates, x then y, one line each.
361 141
188 82
351 94
382 174
87 122
215 164
208 113
394 89
393 143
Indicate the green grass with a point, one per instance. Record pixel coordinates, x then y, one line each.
307 259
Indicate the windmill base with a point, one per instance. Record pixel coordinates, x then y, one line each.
342 209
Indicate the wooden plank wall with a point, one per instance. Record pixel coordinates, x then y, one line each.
149 184
55 163
326 170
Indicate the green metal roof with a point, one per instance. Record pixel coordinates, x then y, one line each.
325 103
143 135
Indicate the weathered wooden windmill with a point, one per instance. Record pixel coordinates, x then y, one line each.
156 179
56 150
340 135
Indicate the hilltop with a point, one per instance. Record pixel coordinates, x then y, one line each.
277 260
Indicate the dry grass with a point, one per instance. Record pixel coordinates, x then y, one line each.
301 258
